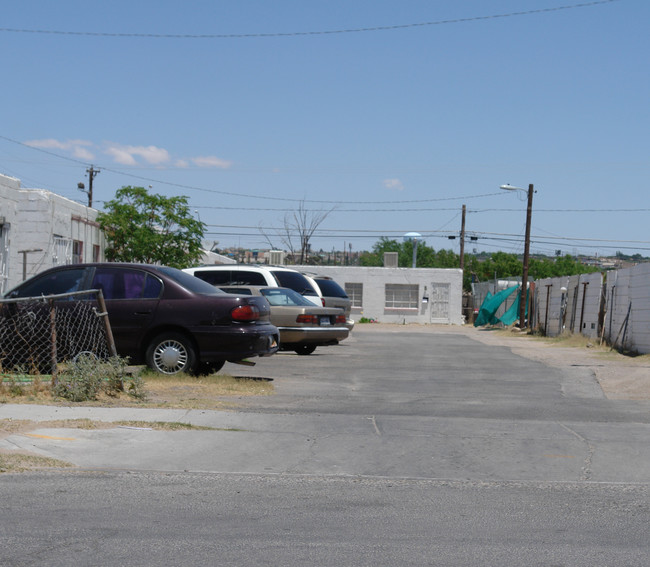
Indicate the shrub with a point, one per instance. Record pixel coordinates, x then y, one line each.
86 376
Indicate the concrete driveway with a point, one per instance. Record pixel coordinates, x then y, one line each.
391 401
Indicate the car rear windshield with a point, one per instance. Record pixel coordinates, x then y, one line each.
190 282
284 297
329 288
295 281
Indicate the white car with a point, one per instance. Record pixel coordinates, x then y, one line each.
333 295
259 275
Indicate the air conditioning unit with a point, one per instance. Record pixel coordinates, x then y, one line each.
391 260
276 257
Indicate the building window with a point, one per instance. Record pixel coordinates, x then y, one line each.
96 250
355 293
402 296
62 251
77 252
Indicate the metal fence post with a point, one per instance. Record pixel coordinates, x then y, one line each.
107 323
53 341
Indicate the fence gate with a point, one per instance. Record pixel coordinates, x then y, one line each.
439 299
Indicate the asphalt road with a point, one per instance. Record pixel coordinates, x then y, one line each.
394 448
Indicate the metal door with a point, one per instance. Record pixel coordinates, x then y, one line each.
439 300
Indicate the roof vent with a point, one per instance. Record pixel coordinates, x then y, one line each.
390 260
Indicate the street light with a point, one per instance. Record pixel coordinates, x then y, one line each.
413 236
524 278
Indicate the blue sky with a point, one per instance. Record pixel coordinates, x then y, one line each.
392 127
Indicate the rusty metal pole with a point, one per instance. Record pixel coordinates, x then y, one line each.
548 300
582 309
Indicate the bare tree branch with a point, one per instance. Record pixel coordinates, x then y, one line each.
301 225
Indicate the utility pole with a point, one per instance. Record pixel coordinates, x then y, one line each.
523 300
524 280
462 241
91 175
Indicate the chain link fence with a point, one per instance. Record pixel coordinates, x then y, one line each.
36 333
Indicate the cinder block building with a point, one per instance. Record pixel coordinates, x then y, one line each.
40 229
399 295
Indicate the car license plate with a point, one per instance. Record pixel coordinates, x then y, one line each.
324 321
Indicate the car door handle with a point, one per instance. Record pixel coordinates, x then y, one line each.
142 313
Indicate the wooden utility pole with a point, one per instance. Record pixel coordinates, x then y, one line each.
91 175
462 241
523 300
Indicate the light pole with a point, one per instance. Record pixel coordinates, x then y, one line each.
524 277
414 237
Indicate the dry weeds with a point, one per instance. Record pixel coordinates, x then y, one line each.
180 391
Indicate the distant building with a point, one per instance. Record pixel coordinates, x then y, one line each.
399 295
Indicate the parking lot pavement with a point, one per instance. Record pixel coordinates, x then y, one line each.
391 402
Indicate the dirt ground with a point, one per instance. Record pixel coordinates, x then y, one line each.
620 377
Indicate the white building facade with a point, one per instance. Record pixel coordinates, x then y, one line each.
399 295
39 229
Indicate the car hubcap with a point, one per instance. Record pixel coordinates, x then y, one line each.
170 357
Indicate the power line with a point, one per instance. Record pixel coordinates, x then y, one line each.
422 209
373 233
233 194
635 210
293 200
307 33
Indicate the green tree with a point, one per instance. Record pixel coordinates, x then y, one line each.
426 256
152 229
501 265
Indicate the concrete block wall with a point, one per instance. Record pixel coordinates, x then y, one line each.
640 312
428 280
576 309
627 320
33 218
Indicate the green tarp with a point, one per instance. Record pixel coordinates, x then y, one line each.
486 314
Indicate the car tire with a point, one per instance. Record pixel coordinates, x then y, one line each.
172 353
304 350
207 368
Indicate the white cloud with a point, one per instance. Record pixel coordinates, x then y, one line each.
393 184
126 155
121 156
78 148
51 143
83 154
211 161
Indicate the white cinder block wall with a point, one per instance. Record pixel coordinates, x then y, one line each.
46 225
439 292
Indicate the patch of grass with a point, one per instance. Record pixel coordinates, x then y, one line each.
167 426
205 392
572 340
20 462
215 391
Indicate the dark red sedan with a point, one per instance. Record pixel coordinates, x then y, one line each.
164 317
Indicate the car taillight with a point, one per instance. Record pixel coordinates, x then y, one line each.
340 320
322 300
308 319
245 313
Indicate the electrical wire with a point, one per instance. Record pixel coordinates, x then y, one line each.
233 194
308 33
